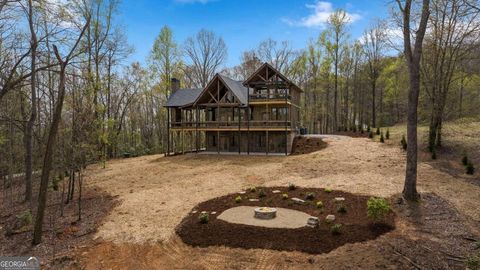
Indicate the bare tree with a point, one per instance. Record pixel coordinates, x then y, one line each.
374 41
48 158
413 55
206 52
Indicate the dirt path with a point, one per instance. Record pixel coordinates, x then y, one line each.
157 192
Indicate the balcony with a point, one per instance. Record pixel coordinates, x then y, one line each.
274 125
269 97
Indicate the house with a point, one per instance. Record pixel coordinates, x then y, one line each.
259 115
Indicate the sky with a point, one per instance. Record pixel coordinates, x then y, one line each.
243 24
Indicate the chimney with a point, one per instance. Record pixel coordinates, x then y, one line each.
174 85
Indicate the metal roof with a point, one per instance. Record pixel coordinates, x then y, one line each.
183 97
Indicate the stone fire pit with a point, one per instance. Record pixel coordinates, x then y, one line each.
265 212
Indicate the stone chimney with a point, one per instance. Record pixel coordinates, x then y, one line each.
174 85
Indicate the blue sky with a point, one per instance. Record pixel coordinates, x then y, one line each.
243 24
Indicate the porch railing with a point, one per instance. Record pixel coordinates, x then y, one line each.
232 124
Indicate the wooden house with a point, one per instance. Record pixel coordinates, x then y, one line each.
258 115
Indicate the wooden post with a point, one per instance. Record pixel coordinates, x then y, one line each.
248 120
287 108
196 128
168 132
239 131
218 141
266 142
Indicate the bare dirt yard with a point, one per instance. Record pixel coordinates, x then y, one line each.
155 193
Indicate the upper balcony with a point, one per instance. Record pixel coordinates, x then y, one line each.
253 125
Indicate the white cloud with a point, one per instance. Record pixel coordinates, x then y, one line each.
321 12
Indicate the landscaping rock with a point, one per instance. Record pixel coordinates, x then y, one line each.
194 211
254 200
330 218
298 201
339 199
312 222
242 192
213 213
204 212
276 191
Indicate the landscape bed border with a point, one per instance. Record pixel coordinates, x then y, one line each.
355 224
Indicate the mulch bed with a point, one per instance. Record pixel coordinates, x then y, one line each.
356 227
306 145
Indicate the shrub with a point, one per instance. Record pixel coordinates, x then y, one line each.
473 262
368 129
238 199
319 204
336 229
252 189
261 193
370 134
285 196
342 209
328 190
25 218
434 154
377 208
310 196
465 160
203 218
470 168
404 143
382 139
291 186
387 135
378 131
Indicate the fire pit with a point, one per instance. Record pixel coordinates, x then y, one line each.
265 212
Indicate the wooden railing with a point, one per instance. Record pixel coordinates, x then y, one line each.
271 96
232 124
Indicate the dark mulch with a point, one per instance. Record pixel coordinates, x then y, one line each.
306 145
356 227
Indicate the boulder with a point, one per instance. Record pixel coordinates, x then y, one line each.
298 201
312 222
330 218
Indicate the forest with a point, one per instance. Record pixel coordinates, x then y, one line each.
69 97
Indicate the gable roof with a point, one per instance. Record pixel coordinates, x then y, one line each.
183 97
237 87
267 65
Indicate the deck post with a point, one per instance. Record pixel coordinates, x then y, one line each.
167 153
239 130
287 116
266 142
248 120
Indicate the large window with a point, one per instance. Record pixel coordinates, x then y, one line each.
279 113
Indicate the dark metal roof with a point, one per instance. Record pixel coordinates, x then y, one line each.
237 87
183 97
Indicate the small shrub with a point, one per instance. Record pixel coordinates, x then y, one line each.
382 139
387 135
328 190
470 168
336 229
378 131
203 218
25 218
368 129
238 199
319 204
310 196
465 160
473 262
370 134
252 189
377 208
434 154
403 142
342 209
261 193
285 196
291 186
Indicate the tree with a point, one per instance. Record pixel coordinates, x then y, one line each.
205 52
49 149
337 35
374 44
413 55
